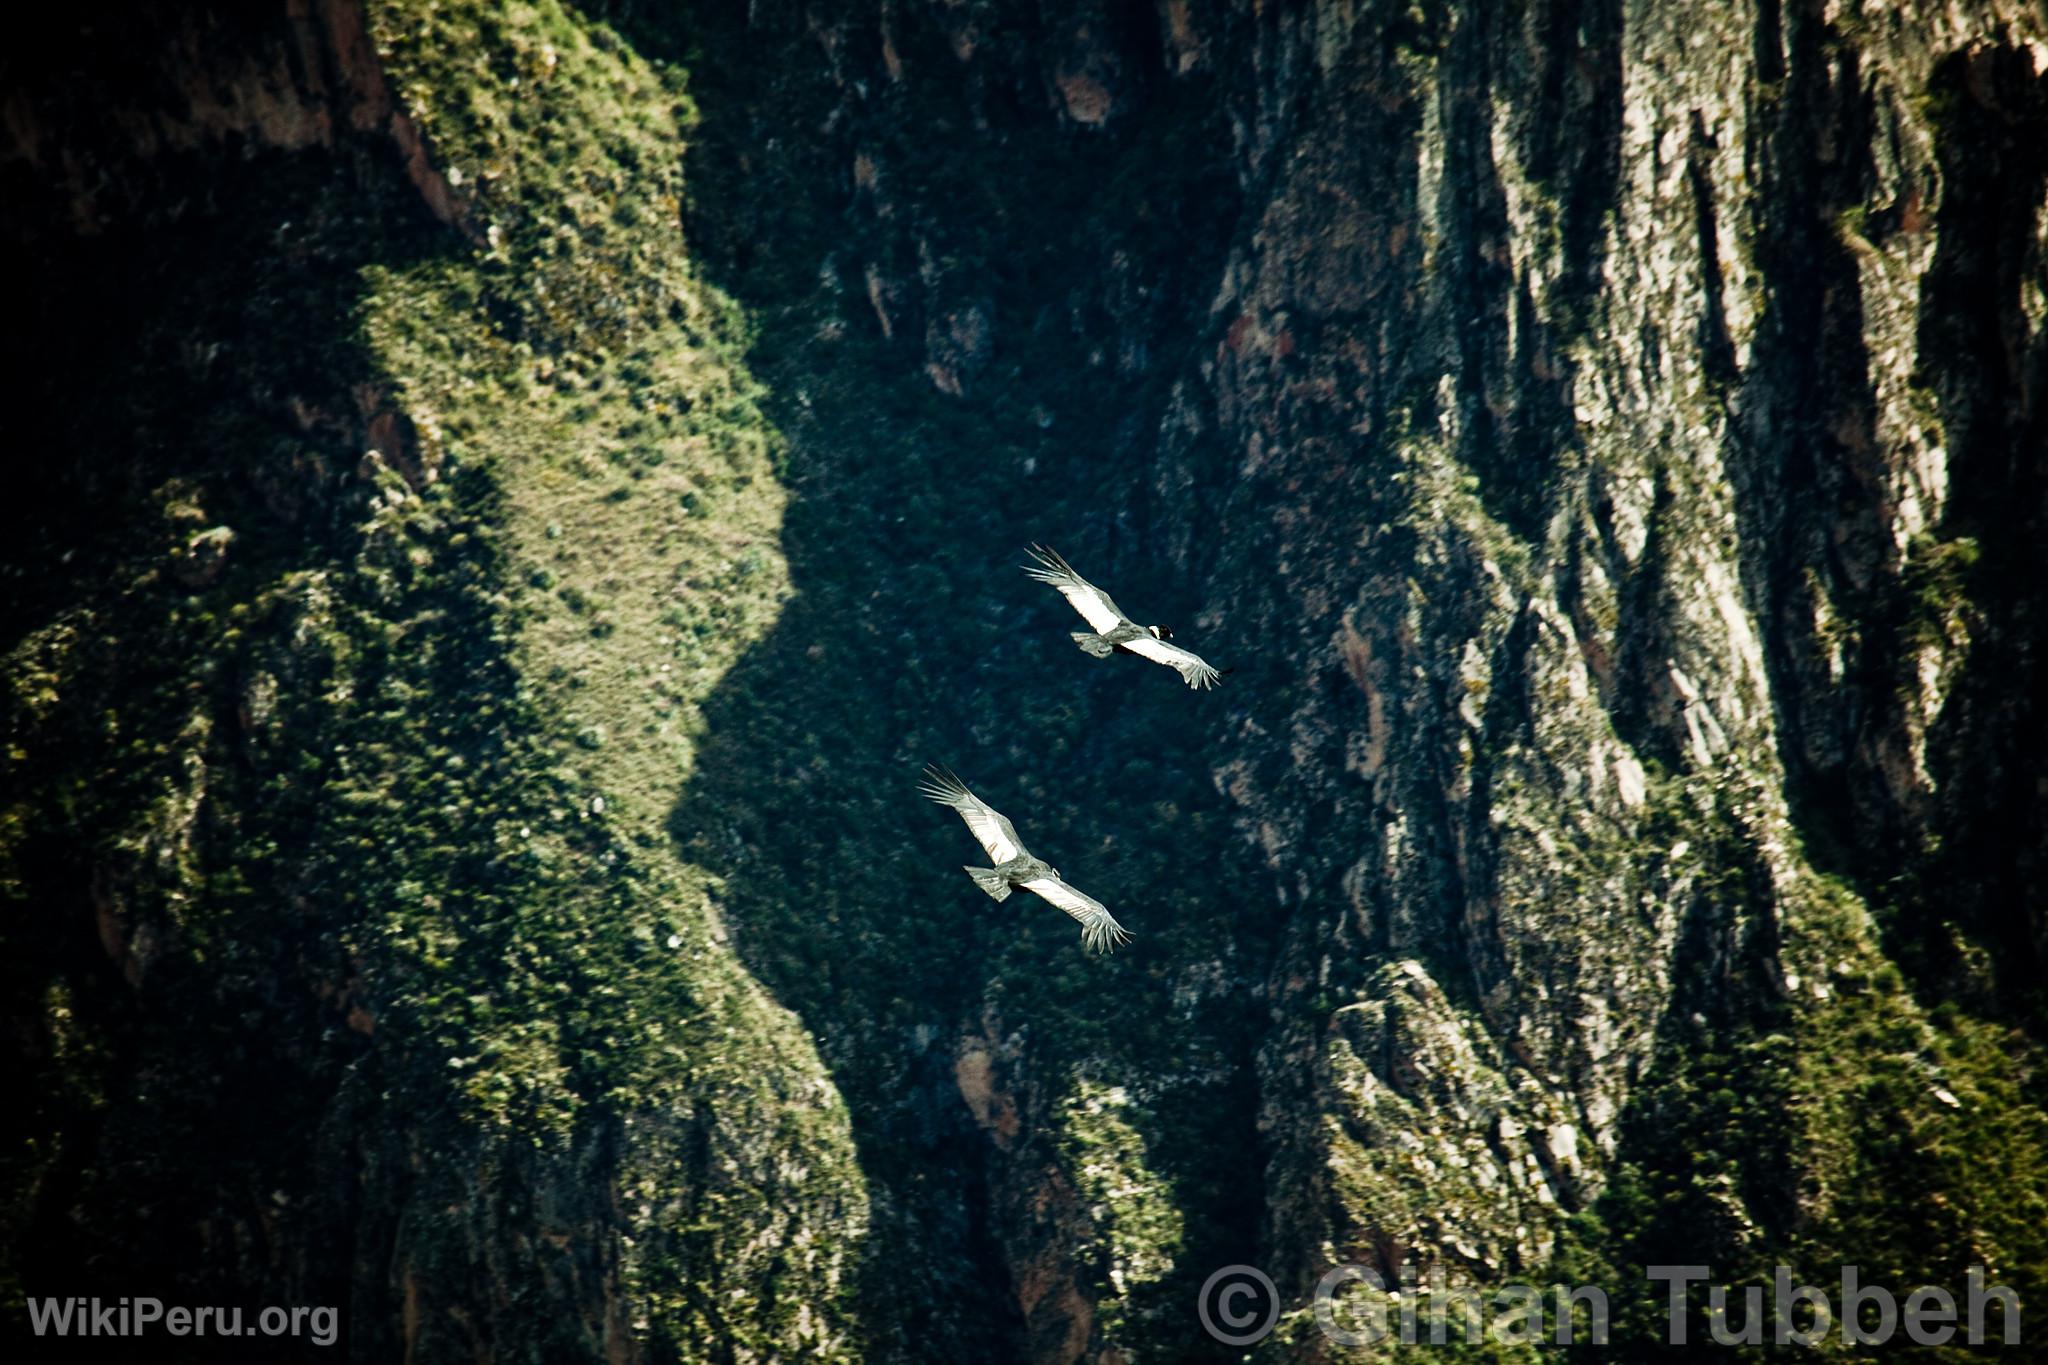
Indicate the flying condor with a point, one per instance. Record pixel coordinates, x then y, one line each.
1111 629
1014 865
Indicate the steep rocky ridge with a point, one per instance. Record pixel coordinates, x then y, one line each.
1606 441
397 511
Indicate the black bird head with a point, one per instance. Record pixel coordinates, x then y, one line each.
1161 632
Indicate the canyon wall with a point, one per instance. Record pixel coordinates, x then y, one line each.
514 494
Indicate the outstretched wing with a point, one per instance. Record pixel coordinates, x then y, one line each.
1092 602
990 828
1196 671
1099 929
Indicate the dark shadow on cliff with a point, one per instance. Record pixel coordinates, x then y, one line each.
1983 569
187 364
1042 271
1954 874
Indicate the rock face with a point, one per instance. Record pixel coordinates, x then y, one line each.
380 556
1607 442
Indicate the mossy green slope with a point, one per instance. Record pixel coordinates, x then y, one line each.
367 755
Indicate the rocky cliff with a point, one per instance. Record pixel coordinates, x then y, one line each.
511 495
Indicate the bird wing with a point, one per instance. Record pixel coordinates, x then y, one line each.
1099 929
1092 602
1196 671
991 829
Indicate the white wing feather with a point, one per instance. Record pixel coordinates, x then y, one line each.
1193 668
1092 602
1099 929
991 829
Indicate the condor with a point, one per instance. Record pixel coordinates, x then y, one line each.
1111 629
1014 865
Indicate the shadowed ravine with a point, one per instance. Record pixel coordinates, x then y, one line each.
962 1031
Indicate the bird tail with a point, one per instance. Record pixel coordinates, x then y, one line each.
1094 644
991 881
